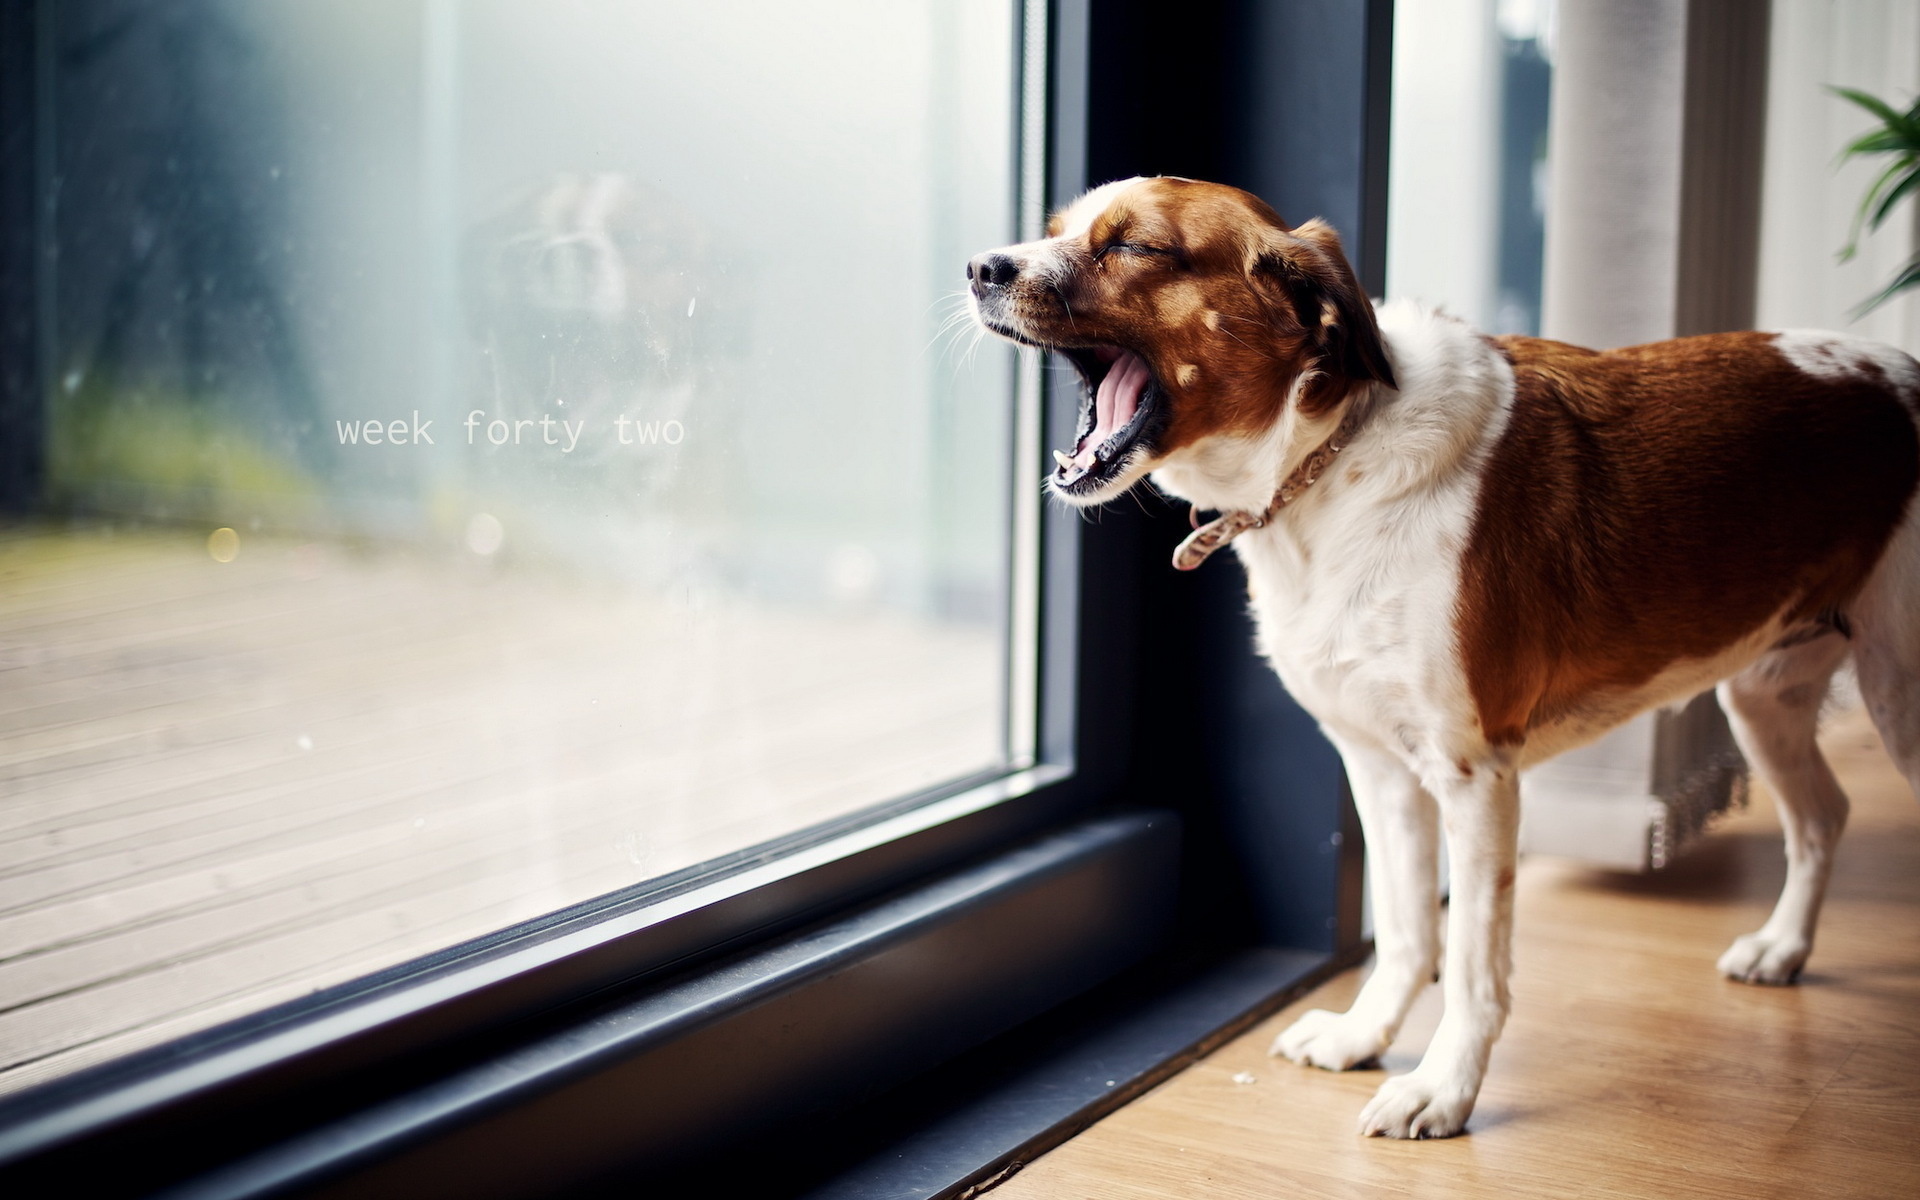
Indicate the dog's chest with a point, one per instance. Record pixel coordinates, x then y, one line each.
1354 606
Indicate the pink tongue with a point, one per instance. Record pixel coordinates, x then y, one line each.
1115 403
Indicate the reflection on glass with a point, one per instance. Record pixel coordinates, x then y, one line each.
498 453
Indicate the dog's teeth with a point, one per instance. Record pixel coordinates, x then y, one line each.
1065 461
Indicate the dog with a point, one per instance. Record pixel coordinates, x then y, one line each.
1467 553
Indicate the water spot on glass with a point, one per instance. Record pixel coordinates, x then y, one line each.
853 573
690 305
636 849
223 544
485 534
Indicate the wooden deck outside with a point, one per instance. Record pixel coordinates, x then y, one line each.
1629 1069
224 785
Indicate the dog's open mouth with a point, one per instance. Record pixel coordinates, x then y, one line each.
1120 407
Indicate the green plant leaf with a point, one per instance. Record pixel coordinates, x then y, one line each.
1883 182
1860 214
1902 125
1899 135
1873 104
1903 188
1880 141
1909 276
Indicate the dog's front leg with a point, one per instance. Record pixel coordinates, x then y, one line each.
1481 810
1401 825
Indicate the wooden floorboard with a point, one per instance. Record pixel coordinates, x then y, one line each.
1628 1068
226 785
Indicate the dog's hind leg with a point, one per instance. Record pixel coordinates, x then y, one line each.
1400 822
1774 708
1886 620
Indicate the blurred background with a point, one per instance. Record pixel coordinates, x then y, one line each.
1475 195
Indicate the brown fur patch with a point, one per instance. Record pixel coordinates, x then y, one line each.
1656 504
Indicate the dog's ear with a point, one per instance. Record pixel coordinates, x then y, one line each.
1307 268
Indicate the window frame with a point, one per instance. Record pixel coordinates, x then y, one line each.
200 1116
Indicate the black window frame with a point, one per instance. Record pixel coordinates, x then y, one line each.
1182 808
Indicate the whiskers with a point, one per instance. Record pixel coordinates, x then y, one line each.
952 332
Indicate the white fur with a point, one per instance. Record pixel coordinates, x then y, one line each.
1078 217
1355 583
1839 358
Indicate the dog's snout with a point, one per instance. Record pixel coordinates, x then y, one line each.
992 270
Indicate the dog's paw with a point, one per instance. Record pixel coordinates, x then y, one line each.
1417 1106
1761 958
1335 1041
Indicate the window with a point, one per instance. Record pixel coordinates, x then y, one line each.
1467 218
494 455
1024 755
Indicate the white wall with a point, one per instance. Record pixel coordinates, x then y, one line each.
1808 205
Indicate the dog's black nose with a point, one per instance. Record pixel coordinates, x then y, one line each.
991 271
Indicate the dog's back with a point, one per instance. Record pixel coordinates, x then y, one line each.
1659 503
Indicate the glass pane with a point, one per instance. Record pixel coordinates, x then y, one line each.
499 453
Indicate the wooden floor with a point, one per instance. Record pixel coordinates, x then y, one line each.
224 785
1628 1068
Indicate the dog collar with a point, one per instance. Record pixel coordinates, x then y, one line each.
1205 539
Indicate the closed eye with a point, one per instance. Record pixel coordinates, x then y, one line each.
1144 249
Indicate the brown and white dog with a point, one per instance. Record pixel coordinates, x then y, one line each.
1466 554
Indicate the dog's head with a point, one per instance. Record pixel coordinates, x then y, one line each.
1192 312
